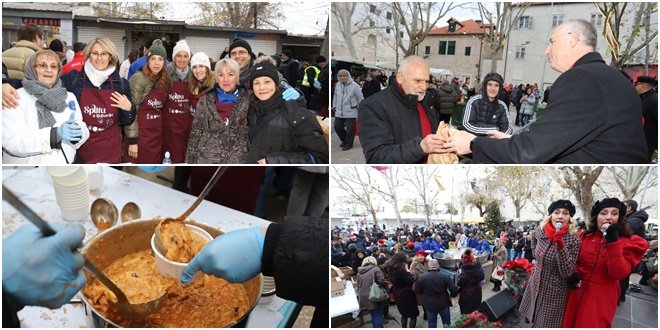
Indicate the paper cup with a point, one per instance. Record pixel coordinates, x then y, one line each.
175 269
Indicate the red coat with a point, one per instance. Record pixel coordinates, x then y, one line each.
76 63
601 288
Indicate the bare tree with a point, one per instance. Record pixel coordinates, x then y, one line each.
350 22
502 20
357 184
391 175
140 10
422 179
515 181
623 48
580 182
418 18
245 15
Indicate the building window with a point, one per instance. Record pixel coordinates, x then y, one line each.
597 19
371 40
387 30
525 22
427 50
451 48
468 51
389 15
557 20
400 34
442 49
520 52
372 9
452 26
372 23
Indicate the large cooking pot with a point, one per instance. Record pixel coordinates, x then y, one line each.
135 236
451 259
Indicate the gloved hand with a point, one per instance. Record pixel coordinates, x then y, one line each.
234 256
290 94
69 130
317 85
575 280
558 238
43 271
612 234
152 169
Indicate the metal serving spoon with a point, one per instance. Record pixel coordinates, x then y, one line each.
126 309
214 179
130 211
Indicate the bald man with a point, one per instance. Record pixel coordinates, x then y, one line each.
594 116
398 125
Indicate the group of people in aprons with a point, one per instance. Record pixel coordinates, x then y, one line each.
138 120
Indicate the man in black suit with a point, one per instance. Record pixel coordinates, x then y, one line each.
595 116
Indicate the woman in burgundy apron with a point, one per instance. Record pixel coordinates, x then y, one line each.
149 89
105 101
177 115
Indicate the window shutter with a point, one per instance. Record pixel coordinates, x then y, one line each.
531 22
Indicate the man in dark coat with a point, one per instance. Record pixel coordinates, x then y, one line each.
397 125
289 68
433 285
594 116
636 219
448 97
649 96
371 86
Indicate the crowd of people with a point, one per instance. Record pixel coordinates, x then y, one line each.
580 273
616 122
148 110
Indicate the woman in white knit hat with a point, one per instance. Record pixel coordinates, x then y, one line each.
177 114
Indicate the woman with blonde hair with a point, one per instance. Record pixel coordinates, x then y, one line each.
555 247
105 101
499 256
368 274
149 90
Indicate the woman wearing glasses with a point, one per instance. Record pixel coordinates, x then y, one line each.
47 126
105 101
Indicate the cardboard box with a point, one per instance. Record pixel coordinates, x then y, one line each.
336 272
337 284
347 271
337 293
354 280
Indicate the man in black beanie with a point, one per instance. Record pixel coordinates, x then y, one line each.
57 46
241 52
312 75
289 68
142 61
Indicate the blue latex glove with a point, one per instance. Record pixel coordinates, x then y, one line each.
290 94
152 169
317 85
69 130
234 256
43 271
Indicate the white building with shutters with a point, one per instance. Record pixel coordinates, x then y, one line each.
524 55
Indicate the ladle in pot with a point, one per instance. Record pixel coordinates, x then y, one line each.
214 179
126 309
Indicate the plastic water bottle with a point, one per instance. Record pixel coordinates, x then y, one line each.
167 159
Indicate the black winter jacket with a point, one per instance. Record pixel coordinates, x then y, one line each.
650 113
433 286
286 134
390 128
468 282
607 129
447 97
292 253
636 222
481 116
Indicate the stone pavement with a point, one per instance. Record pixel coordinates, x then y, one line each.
640 310
356 156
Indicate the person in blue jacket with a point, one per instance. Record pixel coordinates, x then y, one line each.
483 246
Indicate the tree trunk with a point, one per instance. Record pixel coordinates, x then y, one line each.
373 215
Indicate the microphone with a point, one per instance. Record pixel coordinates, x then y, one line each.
604 229
558 226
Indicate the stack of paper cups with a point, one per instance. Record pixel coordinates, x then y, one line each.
71 191
94 176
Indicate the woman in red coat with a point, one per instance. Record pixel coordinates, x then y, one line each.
603 261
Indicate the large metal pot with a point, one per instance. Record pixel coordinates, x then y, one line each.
135 236
451 259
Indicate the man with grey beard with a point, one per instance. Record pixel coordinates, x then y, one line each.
398 125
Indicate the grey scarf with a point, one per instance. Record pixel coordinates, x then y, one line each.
48 98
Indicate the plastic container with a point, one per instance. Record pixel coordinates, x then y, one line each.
67 175
94 177
75 214
175 269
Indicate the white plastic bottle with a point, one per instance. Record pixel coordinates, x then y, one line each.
167 159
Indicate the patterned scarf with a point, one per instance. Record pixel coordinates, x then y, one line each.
48 98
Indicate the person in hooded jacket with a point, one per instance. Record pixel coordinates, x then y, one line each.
371 86
367 275
397 272
469 282
486 112
281 132
448 96
345 104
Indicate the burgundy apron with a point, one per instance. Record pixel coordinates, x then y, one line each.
104 143
177 121
150 123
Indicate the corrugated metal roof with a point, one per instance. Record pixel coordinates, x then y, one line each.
40 6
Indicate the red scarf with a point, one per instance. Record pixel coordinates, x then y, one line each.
550 230
468 259
423 118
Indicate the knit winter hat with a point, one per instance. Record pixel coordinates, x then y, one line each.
149 42
562 204
265 69
411 244
200 59
609 202
287 53
241 43
181 46
421 252
321 59
56 45
157 50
